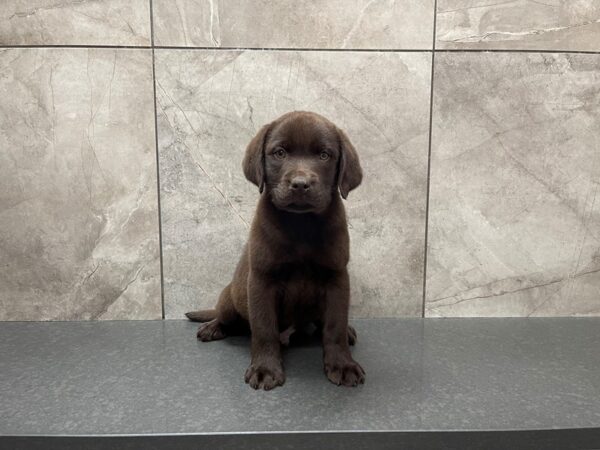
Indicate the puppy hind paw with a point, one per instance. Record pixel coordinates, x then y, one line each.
211 331
284 336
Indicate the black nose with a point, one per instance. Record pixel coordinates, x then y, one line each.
299 183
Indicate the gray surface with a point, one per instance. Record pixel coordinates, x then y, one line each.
588 438
99 378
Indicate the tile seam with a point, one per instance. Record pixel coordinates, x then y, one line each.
428 185
292 49
160 240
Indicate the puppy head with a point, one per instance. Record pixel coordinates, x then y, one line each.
302 159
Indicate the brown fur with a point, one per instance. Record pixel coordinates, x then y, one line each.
293 269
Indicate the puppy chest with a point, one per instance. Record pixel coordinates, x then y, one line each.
303 283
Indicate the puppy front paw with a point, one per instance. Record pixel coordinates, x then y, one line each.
265 375
344 371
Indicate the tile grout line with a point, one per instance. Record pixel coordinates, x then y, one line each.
160 245
298 49
378 50
134 47
508 50
429 162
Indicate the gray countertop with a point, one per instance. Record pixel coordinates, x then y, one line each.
152 378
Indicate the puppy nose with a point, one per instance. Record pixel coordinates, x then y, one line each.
299 183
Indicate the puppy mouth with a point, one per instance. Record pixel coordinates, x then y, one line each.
298 207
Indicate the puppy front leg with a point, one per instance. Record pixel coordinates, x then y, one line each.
339 366
266 368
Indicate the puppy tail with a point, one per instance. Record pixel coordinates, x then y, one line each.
204 315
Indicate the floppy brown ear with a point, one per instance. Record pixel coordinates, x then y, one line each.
350 172
253 164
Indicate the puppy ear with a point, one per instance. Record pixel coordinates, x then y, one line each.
350 172
253 163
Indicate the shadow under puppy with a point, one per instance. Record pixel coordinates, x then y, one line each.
293 271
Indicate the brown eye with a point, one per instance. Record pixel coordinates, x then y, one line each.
324 156
279 153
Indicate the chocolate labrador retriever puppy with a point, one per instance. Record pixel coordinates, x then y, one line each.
293 270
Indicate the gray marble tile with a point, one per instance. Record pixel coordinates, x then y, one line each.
78 193
519 24
75 22
299 24
210 105
515 176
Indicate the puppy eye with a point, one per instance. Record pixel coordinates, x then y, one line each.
279 153
324 156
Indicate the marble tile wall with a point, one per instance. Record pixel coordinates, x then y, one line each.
510 208
335 24
514 212
75 22
210 104
569 25
78 200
